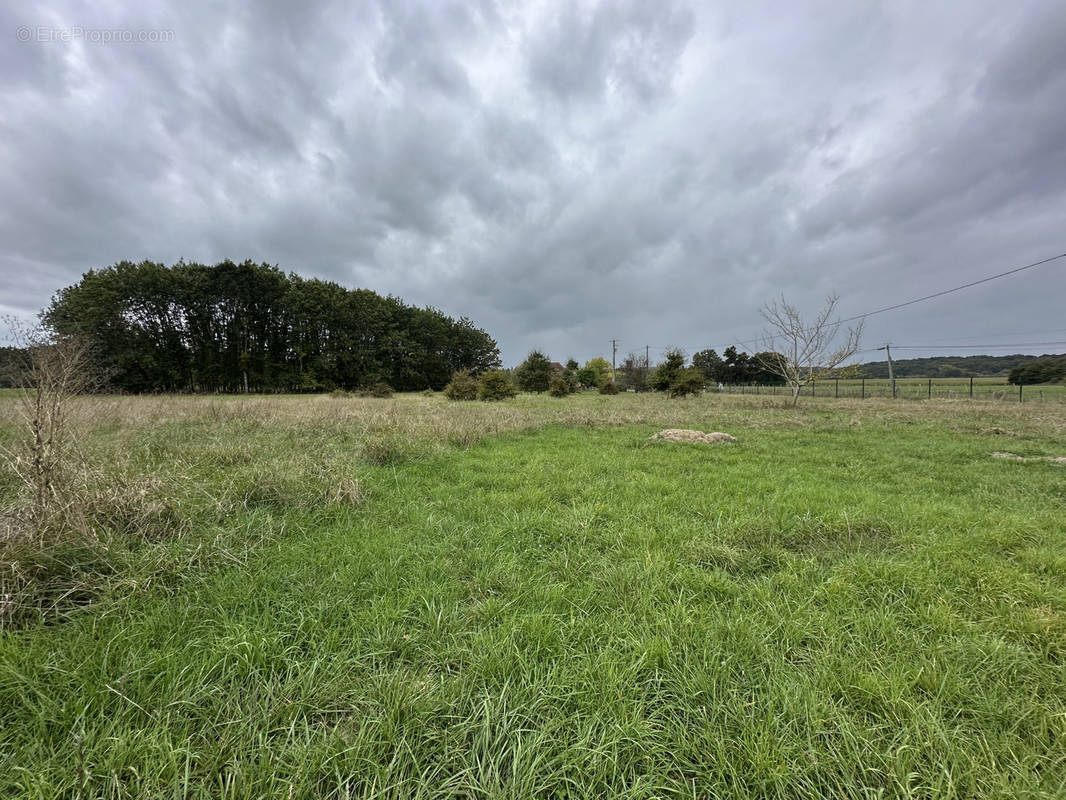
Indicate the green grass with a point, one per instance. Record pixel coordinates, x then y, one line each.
853 601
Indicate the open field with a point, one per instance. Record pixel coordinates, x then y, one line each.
341 597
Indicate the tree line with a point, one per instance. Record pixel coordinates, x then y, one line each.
674 374
979 366
246 327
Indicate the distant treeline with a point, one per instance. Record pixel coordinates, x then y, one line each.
945 367
11 361
251 327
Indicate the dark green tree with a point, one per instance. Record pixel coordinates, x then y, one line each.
712 365
666 372
689 380
535 373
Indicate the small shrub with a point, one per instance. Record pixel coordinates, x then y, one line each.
463 386
496 385
559 386
609 387
666 373
338 394
689 380
379 389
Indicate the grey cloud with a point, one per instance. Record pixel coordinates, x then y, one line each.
564 174
583 52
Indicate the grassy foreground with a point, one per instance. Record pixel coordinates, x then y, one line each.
364 600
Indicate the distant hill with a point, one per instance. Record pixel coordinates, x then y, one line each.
947 366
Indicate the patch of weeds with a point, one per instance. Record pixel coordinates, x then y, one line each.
259 488
46 581
736 561
826 542
384 450
134 509
464 439
345 492
227 456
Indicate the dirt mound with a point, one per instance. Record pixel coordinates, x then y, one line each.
683 435
1060 460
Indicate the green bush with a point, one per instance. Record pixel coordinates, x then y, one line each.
379 389
689 380
609 387
588 377
496 385
463 386
559 386
535 373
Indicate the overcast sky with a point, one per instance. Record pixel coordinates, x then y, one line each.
562 173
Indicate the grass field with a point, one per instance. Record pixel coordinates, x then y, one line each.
318 597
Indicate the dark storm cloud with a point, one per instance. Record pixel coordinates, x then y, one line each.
564 173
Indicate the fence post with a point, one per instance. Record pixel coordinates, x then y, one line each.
836 387
863 395
1019 393
971 387
812 387
930 397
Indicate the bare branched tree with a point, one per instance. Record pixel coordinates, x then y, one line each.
49 372
799 351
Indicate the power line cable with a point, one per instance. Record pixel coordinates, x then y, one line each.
1004 274
956 288
971 346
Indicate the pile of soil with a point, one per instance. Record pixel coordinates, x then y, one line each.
683 435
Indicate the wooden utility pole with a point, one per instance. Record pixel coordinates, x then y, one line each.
891 375
614 352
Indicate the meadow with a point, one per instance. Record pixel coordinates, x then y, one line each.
303 597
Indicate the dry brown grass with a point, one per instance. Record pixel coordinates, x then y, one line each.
435 423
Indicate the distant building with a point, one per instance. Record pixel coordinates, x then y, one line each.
557 367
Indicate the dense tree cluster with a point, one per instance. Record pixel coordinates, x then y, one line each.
250 327
1046 369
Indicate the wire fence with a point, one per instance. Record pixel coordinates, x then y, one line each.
991 389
